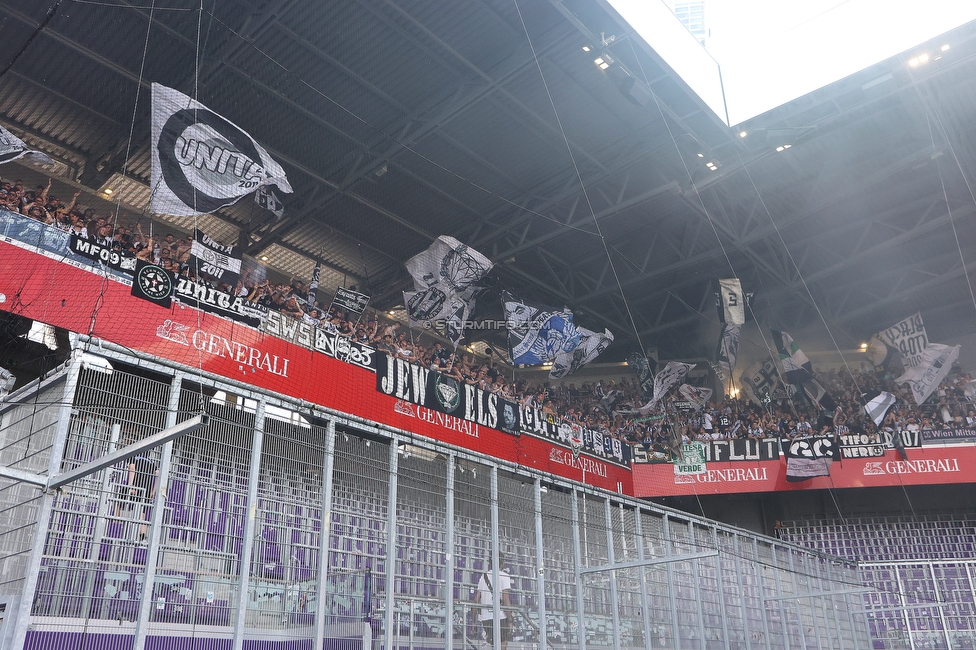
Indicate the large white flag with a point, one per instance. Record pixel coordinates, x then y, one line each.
12 148
936 362
664 381
202 161
733 301
444 278
908 337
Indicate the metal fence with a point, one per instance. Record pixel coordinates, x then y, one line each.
279 525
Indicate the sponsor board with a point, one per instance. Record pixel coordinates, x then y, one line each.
924 466
948 435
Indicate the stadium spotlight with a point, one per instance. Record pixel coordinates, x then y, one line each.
107 191
587 48
604 61
783 147
701 155
945 47
743 134
864 346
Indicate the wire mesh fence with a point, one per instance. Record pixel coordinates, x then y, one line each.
274 526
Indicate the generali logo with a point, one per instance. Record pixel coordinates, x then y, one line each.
925 466
219 346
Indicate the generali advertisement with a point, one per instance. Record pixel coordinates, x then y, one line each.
917 466
66 294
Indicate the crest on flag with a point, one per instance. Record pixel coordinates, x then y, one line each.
218 261
200 160
761 379
12 148
536 335
445 277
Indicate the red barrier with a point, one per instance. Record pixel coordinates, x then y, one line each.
62 294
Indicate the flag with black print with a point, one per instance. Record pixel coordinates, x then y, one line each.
201 161
12 148
582 348
732 302
211 258
445 278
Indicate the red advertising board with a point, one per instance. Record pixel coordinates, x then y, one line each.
920 466
65 295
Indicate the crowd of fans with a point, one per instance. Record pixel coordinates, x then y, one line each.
611 407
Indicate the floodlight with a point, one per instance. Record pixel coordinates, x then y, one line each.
742 134
945 47
586 48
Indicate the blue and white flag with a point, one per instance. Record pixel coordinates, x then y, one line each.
536 336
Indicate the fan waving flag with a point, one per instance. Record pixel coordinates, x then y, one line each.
796 365
445 278
535 336
877 405
728 349
588 346
202 161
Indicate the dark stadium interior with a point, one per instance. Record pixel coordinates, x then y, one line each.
398 122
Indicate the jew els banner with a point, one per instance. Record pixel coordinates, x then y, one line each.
201 161
436 391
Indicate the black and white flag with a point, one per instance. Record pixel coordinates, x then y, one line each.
349 300
935 364
12 148
445 277
671 375
728 349
732 302
588 346
644 368
908 337
200 160
313 285
877 405
267 199
153 283
211 258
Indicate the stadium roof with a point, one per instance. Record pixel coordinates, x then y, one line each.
617 192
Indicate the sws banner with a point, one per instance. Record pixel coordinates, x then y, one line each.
553 428
318 339
436 391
